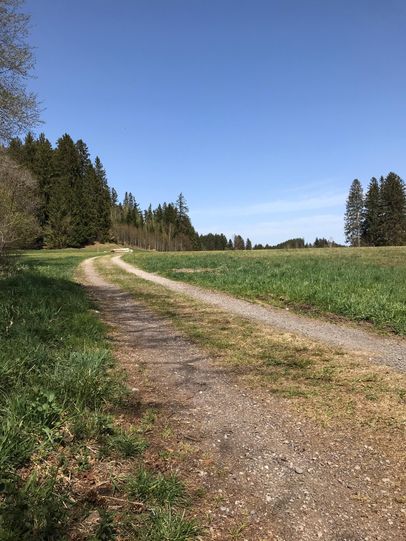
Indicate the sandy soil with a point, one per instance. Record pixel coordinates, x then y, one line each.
387 350
269 474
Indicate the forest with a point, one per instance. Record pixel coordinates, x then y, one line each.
75 206
72 204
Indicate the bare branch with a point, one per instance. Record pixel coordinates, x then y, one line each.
18 108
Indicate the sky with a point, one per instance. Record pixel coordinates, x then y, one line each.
261 112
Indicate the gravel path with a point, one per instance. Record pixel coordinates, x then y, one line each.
278 476
387 350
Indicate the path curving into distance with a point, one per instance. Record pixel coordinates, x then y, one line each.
387 350
265 466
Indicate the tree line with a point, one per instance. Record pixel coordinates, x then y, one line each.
166 227
73 204
297 243
378 217
73 197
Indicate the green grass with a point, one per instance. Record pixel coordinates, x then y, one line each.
155 488
59 391
365 284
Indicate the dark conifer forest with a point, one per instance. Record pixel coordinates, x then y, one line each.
74 198
77 207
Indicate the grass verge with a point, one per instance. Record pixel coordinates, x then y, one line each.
63 441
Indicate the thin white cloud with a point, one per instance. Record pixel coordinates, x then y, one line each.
274 231
278 206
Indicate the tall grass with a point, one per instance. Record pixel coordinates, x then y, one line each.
54 374
60 398
366 284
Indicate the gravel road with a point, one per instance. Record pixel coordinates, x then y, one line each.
388 350
281 477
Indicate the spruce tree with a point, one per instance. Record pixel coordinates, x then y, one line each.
248 245
393 210
61 231
114 196
15 149
371 223
353 214
103 202
43 169
239 243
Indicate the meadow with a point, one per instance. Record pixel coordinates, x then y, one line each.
61 426
359 284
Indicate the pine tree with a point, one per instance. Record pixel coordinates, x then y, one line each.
43 169
15 149
248 245
393 209
103 201
61 231
114 197
353 214
75 203
239 243
371 223
29 151
84 199
181 206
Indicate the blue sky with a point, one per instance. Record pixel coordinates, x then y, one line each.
261 112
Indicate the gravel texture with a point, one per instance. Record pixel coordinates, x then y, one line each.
278 476
388 350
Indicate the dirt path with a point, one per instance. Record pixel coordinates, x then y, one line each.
271 475
387 350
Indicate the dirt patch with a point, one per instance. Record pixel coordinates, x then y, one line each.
267 473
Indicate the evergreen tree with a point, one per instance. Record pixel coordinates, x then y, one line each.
353 214
63 211
103 202
74 198
248 245
15 149
29 149
371 223
114 196
393 209
321 243
239 243
43 169
84 199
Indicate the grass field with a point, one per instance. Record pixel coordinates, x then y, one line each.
61 433
365 284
